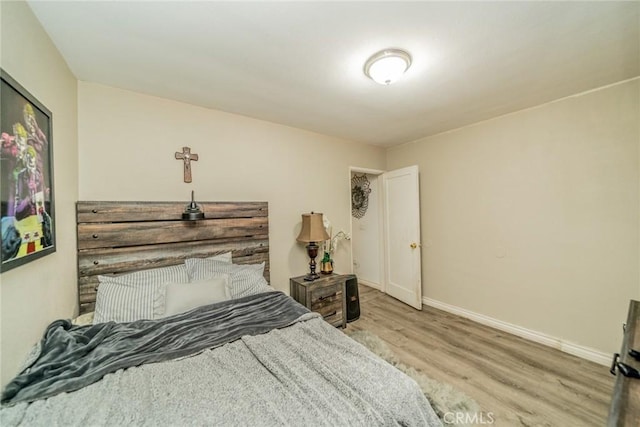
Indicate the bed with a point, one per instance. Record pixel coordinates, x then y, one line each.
187 330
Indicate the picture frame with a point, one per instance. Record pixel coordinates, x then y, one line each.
27 213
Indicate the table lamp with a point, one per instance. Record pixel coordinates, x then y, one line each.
312 232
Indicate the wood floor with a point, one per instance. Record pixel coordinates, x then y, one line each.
516 382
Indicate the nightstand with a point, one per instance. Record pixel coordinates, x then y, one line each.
325 295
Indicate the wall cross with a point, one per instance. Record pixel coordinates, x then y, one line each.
186 156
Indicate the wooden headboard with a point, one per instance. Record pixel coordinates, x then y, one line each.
121 237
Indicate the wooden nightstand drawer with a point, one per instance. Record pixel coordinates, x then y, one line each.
332 314
324 294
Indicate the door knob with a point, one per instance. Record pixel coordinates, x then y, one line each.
414 245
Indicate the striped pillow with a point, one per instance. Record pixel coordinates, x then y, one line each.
135 296
244 279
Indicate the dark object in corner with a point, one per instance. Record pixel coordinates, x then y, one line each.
353 299
627 371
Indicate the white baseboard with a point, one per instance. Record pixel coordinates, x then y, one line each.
557 343
370 284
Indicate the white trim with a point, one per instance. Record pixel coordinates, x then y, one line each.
364 170
557 343
370 284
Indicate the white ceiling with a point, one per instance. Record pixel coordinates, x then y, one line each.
300 63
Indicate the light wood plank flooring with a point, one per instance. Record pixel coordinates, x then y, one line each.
521 383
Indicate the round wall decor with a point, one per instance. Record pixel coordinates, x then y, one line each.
359 195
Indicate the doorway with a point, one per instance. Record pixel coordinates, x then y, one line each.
367 250
385 231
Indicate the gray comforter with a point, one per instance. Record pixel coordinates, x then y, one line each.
308 373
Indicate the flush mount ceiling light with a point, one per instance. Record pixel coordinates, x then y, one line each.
387 66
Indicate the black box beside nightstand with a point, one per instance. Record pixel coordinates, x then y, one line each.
328 296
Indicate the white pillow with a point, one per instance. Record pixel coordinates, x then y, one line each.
135 296
181 297
244 279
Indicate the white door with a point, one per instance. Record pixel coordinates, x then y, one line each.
402 235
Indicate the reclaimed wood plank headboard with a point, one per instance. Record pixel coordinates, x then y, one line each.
121 237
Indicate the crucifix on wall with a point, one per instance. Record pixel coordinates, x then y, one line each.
186 156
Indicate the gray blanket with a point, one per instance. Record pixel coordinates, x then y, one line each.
72 357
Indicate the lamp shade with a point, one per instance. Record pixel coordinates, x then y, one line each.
312 228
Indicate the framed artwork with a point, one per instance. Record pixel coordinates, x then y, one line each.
26 176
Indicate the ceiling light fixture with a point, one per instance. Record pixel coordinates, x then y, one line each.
387 66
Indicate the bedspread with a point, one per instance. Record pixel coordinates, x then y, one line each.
308 373
73 357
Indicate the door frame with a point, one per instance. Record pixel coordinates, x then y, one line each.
382 286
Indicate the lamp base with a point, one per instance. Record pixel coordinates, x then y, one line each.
192 215
312 251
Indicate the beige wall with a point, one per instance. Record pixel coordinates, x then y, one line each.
35 294
127 146
533 218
